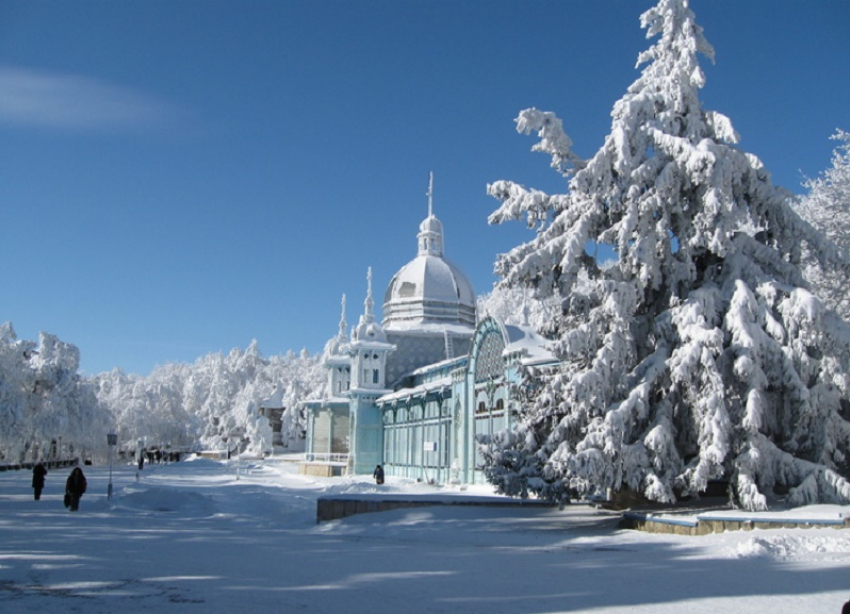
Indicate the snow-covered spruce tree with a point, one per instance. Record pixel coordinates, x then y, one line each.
699 354
827 208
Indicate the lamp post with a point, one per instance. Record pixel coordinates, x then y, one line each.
111 441
236 435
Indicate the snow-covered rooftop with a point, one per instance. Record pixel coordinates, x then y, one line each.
533 347
417 391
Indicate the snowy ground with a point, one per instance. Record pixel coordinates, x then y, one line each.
191 538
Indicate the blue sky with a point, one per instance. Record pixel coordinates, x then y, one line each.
179 178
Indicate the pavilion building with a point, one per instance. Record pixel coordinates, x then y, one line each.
417 391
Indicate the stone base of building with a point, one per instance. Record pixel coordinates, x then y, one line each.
322 470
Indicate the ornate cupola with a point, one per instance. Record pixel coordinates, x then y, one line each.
431 229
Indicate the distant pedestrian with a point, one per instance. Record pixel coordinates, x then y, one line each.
379 475
141 460
75 486
38 473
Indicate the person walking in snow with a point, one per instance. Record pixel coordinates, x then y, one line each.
38 473
75 486
378 475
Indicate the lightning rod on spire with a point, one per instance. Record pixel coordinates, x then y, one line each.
431 194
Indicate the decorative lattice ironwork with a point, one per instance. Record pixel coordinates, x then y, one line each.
489 363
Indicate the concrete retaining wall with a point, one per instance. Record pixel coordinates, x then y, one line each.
335 508
332 509
709 524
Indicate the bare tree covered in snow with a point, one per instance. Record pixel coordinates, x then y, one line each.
827 208
697 355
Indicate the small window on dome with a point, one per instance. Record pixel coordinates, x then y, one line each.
407 289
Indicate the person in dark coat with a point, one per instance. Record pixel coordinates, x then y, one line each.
38 473
379 475
75 486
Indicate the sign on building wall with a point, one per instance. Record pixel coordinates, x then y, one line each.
430 446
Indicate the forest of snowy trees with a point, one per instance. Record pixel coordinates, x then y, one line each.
715 345
700 354
48 410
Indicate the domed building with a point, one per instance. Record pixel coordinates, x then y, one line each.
429 306
406 393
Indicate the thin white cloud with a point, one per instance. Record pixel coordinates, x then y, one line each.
49 100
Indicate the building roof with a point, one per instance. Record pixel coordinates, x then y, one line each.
532 347
430 289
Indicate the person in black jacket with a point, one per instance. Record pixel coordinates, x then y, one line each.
75 486
378 475
38 473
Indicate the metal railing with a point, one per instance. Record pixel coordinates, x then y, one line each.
51 464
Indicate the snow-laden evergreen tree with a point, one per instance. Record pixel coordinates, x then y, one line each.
826 206
699 354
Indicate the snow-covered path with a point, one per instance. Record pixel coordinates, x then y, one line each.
189 537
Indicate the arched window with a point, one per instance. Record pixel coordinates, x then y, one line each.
489 362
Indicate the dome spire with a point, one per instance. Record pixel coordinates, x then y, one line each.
343 325
367 329
369 315
431 229
431 194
